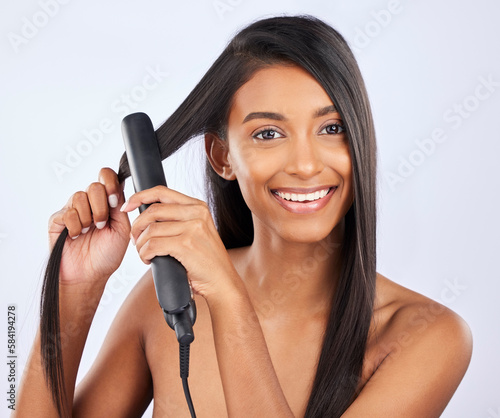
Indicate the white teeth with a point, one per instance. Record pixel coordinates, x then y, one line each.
297 197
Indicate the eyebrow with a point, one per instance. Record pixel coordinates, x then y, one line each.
278 116
325 111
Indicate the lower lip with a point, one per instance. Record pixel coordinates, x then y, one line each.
303 208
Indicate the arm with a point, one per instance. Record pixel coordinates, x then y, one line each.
119 382
109 389
77 308
244 362
98 238
419 377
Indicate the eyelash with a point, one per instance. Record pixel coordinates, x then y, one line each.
339 126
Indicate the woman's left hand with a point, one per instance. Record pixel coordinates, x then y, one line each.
182 227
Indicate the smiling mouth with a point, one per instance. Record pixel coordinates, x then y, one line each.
304 198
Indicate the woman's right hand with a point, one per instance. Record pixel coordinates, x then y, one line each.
98 233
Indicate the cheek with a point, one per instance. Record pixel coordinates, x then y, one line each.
339 159
238 157
250 165
342 164
345 165
348 181
253 170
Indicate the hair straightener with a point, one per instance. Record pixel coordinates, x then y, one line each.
169 275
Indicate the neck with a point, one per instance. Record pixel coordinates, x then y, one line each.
293 278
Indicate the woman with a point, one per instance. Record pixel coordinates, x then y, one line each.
293 319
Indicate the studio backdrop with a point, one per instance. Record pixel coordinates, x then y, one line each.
71 70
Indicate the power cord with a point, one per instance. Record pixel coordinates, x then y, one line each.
184 366
182 322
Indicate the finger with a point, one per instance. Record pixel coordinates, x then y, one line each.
109 179
72 222
156 194
116 196
98 199
154 247
80 202
158 230
56 222
171 213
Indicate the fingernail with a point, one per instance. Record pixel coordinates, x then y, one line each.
75 237
113 200
122 209
100 225
132 239
85 230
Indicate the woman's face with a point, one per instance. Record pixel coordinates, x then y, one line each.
289 152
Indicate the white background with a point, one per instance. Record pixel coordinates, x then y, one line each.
65 74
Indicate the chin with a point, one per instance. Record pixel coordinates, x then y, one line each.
307 235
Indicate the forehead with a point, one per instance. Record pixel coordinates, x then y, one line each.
283 88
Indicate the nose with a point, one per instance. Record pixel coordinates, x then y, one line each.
304 158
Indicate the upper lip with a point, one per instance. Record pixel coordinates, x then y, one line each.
301 190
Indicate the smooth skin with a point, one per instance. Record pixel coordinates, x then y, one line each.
262 309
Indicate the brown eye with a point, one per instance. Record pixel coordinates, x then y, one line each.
266 134
334 129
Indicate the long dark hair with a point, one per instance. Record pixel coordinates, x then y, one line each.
319 49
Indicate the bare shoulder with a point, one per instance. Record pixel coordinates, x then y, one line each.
417 354
399 310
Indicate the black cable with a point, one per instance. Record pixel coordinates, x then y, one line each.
184 366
